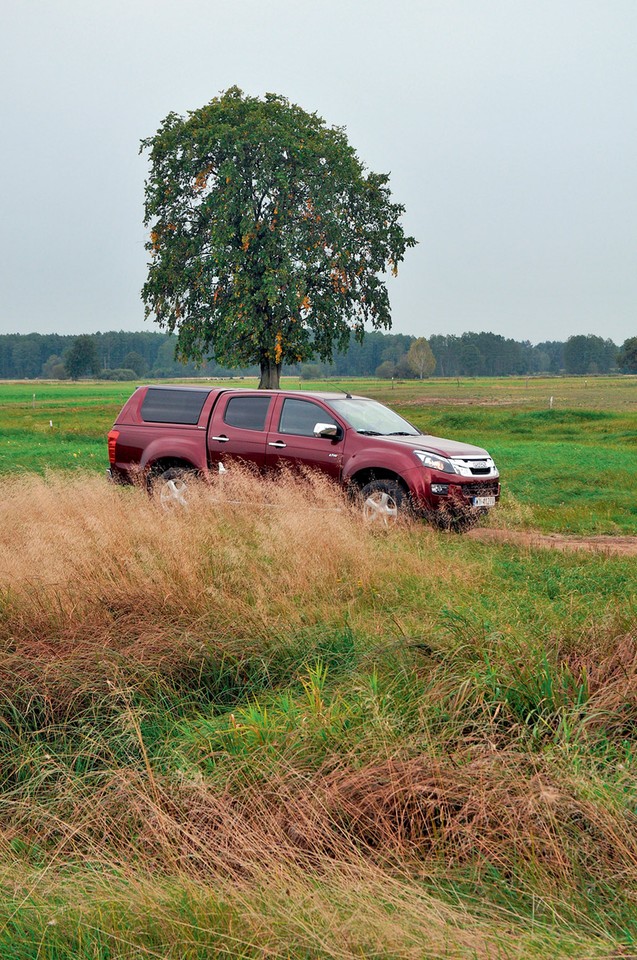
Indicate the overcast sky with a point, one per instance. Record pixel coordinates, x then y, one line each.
508 126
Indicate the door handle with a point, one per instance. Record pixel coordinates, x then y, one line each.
222 439
277 443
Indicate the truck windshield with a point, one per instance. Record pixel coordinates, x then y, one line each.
370 417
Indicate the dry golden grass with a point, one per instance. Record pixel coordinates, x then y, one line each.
94 577
78 556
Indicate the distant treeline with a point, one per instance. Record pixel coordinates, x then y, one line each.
117 354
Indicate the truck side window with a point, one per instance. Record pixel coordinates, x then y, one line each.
171 405
249 413
300 417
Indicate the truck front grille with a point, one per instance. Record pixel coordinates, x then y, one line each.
488 488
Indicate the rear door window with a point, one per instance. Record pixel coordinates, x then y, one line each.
248 413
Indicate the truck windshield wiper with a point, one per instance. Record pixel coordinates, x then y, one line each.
371 433
401 433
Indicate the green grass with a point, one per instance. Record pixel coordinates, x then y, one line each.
57 426
574 469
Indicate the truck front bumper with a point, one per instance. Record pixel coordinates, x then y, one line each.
433 491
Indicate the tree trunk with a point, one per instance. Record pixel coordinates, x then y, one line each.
270 375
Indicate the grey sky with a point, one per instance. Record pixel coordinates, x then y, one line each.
508 126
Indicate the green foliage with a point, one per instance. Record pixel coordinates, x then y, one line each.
82 358
268 239
589 354
421 359
386 370
487 354
627 357
119 373
26 357
311 371
35 355
54 368
134 361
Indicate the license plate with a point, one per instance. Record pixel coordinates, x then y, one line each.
484 501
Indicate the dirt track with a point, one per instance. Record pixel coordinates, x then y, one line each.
624 546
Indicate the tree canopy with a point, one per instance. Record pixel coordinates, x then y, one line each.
82 357
589 354
268 239
420 358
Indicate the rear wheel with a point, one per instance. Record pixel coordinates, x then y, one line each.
172 487
383 502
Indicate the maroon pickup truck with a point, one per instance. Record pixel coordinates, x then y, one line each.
167 433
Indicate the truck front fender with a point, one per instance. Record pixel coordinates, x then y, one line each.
361 470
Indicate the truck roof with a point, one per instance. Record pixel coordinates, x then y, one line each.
319 394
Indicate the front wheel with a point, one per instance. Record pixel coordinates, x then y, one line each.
383 502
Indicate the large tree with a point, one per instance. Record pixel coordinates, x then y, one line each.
268 239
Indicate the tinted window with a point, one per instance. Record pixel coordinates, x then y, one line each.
247 412
173 406
301 416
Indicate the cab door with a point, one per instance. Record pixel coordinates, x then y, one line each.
237 429
291 441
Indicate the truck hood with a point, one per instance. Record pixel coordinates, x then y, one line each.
446 448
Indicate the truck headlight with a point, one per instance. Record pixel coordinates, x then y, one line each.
435 462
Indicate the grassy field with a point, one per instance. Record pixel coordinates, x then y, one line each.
235 732
270 731
570 468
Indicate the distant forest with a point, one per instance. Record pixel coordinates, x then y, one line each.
124 355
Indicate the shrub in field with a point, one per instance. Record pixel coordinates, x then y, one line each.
118 373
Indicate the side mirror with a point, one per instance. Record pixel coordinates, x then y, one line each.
327 430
